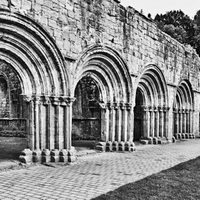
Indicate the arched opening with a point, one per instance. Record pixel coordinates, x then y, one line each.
37 81
183 109
151 105
112 108
86 115
138 120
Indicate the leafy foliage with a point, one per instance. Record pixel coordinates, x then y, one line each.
178 25
181 27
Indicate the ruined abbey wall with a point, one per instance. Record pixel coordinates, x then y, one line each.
77 25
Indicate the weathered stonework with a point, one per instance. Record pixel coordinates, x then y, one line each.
147 83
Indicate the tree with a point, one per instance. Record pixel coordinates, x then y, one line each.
178 25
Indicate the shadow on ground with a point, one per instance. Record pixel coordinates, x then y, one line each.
11 147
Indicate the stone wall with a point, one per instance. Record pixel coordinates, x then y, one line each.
77 25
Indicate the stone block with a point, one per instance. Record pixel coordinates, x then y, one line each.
54 155
101 146
115 146
46 156
130 146
155 140
121 146
72 157
37 157
150 140
108 146
26 156
190 136
63 155
186 136
183 135
173 139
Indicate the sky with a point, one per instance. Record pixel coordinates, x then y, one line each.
189 7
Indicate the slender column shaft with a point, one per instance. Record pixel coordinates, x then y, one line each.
177 121
152 122
118 125
181 121
158 123
130 123
36 115
162 122
124 123
148 123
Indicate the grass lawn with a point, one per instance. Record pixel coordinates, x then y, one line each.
179 182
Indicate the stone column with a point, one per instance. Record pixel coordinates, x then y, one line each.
124 122
181 121
191 120
162 121
147 122
55 104
68 118
104 122
166 122
152 114
36 100
118 127
188 121
30 121
130 122
158 122
112 118
44 121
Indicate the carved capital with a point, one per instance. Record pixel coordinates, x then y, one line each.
110 106
128 106
54 100
66 101
116 106
122 105
45 100
27 98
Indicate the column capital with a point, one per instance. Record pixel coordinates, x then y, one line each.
128 106
55 100
66 101
146 108
27 98
122 105
110 105
116 105
45 100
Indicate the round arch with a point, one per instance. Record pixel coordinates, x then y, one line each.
107 64
112 77
152 112
183 108
32 52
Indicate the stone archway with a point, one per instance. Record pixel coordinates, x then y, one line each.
110 73
151 109
183 109
40 68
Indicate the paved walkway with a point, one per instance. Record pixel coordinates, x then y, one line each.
94 174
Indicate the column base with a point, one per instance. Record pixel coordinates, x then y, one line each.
115 146
27 156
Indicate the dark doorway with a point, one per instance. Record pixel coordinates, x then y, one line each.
138 120
86 129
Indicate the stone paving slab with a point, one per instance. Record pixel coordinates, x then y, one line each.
94 174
